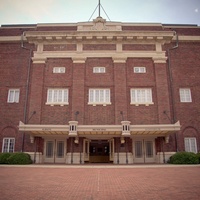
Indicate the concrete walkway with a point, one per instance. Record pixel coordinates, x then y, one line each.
99 182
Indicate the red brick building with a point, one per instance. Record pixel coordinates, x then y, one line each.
100 91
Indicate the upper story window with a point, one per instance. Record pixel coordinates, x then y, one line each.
190 144
13 96
185 95
141 96
59 70
57 97
139 69
99 96
8 145
99 70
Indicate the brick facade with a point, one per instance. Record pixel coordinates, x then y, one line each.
167 70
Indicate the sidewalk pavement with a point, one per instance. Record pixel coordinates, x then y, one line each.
99 182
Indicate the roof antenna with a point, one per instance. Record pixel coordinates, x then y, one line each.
99 6
99 9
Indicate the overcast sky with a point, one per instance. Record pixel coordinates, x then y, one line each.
66 11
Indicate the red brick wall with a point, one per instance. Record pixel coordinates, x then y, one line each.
138 47
142 28
119 77
57 28
60 47
99 114
57 114
185 66
14 62
141 114
91 47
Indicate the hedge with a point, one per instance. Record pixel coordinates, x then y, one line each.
184 158
4 158
198 156
15 158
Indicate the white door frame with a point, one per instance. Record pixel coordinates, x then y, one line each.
86 150
111 149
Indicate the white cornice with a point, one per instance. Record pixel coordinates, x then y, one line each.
8 39
54 36
120 57
188 38
134 37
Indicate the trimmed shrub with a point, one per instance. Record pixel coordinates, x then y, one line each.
198 156
184 158
4 158
19 158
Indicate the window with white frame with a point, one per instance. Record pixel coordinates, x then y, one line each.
185 95
141 96
139 69
57 96
190 144
8 145
99 69
99 96
59 70
13 96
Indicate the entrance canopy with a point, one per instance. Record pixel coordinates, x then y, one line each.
73 129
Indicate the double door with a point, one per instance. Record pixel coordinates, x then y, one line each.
54 151
98 150
144 151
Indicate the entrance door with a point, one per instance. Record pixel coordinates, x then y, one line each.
99 151
144 151
55 151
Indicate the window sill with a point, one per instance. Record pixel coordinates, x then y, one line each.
99 104
57 104
142 103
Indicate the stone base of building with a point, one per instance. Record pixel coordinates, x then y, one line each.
163 157
123 158
36 157
74 158
119 158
